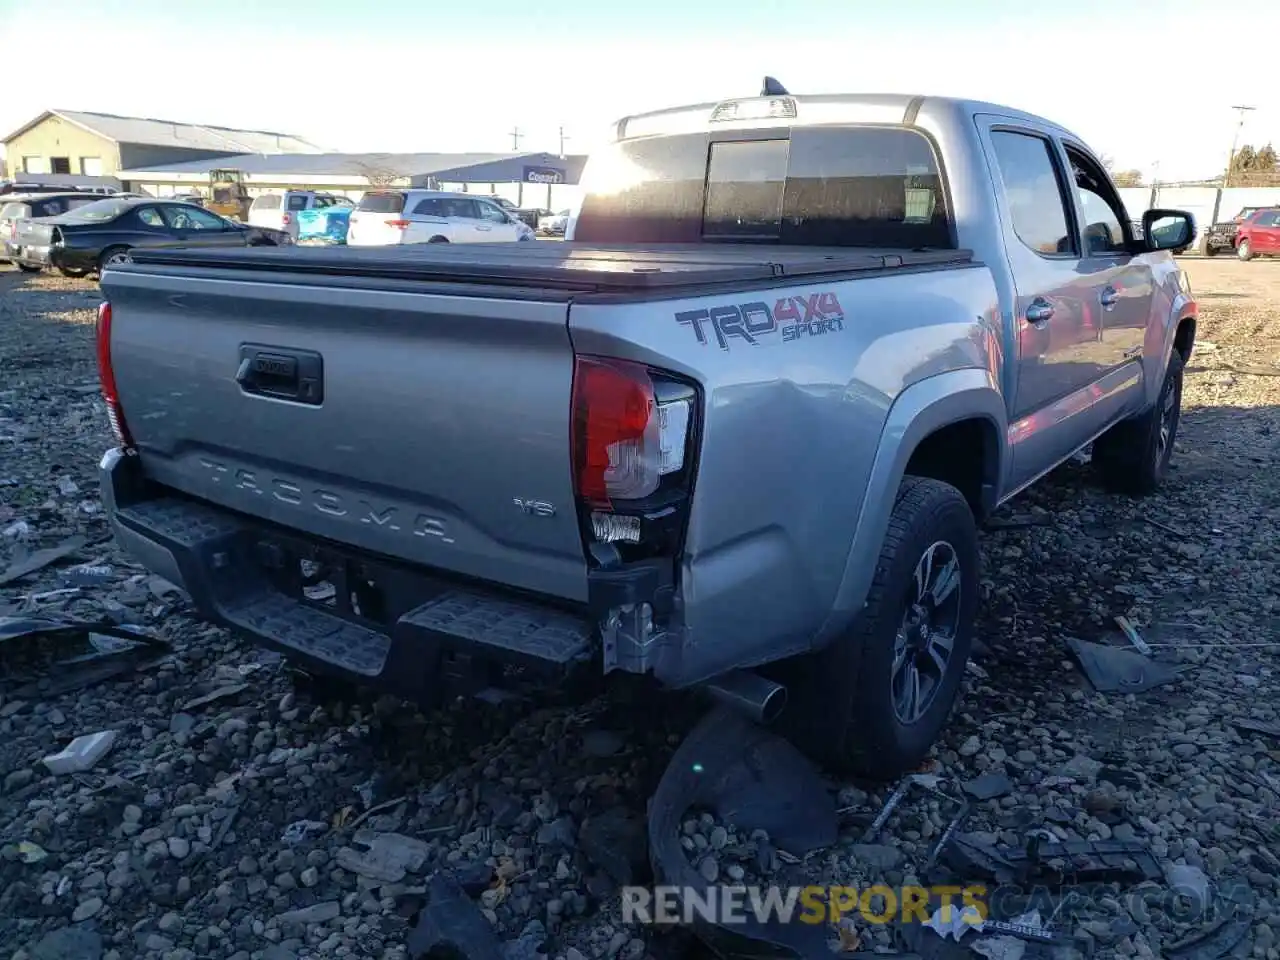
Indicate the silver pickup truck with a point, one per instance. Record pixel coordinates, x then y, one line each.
737 432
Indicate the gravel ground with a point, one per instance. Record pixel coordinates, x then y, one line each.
234 827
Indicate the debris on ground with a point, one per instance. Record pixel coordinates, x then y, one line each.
1114 670
81 754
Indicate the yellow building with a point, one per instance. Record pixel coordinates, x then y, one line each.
76 143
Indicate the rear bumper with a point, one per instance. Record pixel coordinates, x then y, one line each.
431 636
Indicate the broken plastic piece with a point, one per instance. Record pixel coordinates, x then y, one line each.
451 925
1082 861
988 786
1112 670
953 922
81 753
41 559
1134 637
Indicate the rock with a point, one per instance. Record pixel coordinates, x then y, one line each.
970 747
878 856
601 743
1081 767
617 843
18 779
316 913
179 848
68 943
86 909
709 868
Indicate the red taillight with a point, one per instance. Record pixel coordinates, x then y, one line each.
398 224
108 377
615 436
287 219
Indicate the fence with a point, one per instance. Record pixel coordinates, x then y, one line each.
1201 202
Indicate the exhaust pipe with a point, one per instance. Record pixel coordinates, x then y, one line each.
749 693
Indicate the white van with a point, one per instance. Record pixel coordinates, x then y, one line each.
279 210
385 217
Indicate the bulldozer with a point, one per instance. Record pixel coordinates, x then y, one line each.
227 194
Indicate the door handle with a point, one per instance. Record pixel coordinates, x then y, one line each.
281 373
1039 310
1110 297
484 226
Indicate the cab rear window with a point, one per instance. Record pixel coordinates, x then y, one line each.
839 186
382 203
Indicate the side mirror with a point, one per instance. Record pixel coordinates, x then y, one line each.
1168 229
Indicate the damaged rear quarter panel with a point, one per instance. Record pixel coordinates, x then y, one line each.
792 423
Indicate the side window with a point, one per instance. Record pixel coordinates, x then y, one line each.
202 219
298 201
1268 218
430 207
491 213
268 201
1104 214
1037 204
457 207
150 217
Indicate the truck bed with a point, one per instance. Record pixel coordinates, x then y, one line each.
568 266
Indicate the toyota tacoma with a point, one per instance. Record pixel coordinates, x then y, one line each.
737 433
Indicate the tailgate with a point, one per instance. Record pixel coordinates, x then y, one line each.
414 425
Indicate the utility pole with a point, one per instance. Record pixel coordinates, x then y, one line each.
563 138
1235 139
515 139
1231 158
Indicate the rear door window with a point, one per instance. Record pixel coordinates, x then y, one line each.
382 203
1033 189
847 186
460 208
14 211
298 201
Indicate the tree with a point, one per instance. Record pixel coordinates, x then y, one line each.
1255 167
1122 178
380 174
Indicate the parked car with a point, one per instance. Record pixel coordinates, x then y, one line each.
736 434
385 217
324 225
101 234
527 215
554 225
1259 234
16 207
279 211
1222 236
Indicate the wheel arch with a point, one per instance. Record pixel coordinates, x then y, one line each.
928 424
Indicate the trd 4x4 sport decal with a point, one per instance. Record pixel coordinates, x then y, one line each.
789 319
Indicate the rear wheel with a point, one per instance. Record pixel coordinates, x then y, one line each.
1133 456
28 268
75 273
1210 251
112 256
1244 251
874 702
438 239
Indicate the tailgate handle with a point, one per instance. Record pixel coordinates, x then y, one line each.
281 373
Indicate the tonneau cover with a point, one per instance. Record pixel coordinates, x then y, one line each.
558 265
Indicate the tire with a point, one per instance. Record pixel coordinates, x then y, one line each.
438 239
1210 251
74 273
1244 251
112 255
1133 456
842 710
28 268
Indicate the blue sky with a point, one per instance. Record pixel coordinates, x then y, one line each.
1132 79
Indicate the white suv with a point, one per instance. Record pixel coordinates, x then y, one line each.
384 217
279 211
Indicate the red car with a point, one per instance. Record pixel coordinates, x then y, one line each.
1259 234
